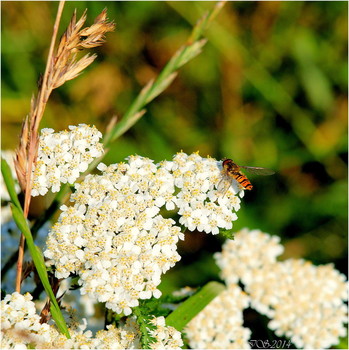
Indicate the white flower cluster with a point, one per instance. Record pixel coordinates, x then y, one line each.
167 337
63 156
20 324
305 303
21 329
125 337
220 324
114 237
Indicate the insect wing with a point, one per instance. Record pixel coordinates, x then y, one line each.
258 171
223 185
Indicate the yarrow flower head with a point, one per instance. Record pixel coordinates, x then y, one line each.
63 156
220 324
114 236
305 303
21 329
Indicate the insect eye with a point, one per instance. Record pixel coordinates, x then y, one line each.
226 161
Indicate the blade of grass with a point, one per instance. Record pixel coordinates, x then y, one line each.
39 263
35 251
192 306
9 182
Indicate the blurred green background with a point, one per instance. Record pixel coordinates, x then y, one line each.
269 89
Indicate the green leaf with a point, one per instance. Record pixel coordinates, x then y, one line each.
192 306
9 182
59 320
145 326
343 343
39 263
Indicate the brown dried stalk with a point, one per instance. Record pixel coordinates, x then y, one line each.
61 67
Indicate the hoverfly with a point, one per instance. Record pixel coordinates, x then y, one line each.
231 171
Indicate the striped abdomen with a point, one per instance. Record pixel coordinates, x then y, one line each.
243 181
